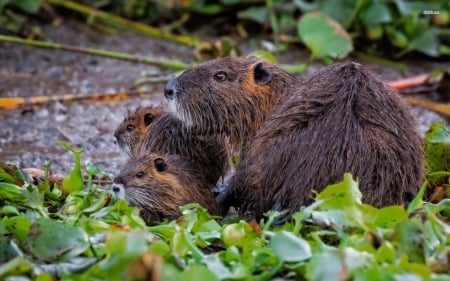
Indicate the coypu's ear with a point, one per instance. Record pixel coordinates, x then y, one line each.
160 164
148 118
262 74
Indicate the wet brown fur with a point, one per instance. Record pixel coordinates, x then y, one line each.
340 119
167 135
167 182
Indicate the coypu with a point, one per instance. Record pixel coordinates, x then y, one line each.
160 184
130 132
152 129
228 97
337 120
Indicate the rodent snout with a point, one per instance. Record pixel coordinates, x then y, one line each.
170 89
118 191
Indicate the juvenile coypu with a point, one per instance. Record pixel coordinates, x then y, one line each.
160 184
340 119
130 132
153 130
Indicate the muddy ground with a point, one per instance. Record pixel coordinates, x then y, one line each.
29 136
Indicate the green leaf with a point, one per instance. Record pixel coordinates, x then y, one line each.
29 6
265 55
326 265
426 42
388 217
198 272
376 13
437 148
18 226
289 247
11 192
257 14
341 194
409 237
324 36
74 180
51 240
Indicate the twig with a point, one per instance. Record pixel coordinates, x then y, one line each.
434 106
10 103
124 23
171 64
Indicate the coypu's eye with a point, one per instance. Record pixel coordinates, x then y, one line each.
130 128
220 76
140 174
148 118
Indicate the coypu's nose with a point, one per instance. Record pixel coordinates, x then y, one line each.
118 191
170 89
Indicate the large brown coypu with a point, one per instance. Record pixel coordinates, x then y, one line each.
228 97
337 120
153 130
160 184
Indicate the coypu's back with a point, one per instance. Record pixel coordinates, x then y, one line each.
129 133
160 184
340 119
169 136
227 97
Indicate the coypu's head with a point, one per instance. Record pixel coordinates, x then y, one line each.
130 132
227 97
160 184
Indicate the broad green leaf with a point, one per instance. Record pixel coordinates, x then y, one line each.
289 247
385 253
18 226
160 248
426 42
131 244
376 13
343 193
324 36
388 217
325 266
51 240
216 265
257 14
437 148
16 266
11 192
265 55
198 272
409 236
29 6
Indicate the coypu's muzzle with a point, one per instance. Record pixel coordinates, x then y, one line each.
118 191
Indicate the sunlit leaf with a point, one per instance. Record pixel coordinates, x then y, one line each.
324 36
289 247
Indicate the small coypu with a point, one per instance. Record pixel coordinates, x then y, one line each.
337 120
160 184
151 129
132 129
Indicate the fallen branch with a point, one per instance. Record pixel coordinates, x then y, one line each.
170 64
11 103
124 23
434 106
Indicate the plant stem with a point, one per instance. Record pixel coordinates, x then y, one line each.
171 64
124 23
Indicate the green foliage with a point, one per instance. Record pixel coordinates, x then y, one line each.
87 235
